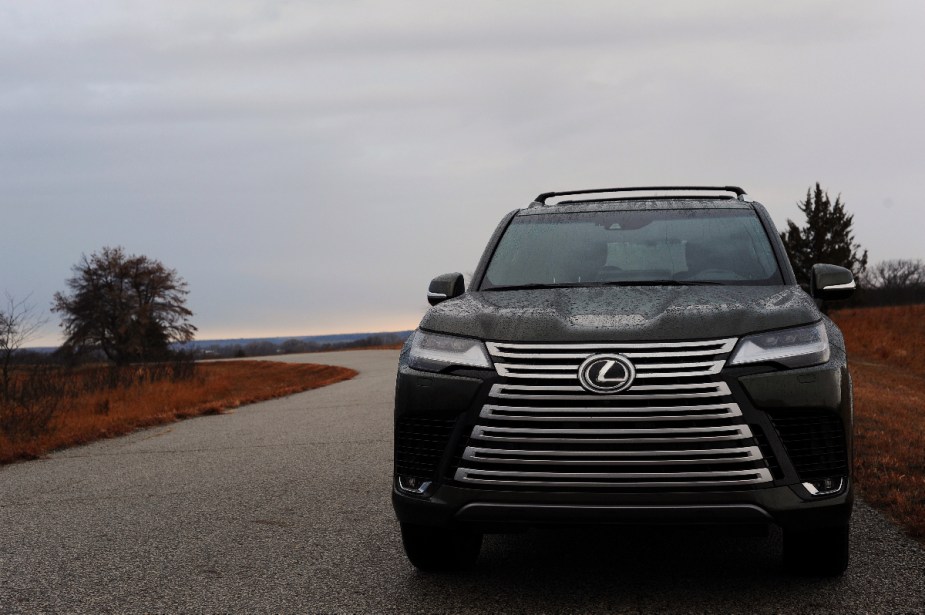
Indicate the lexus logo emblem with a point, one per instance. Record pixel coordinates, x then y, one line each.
606 373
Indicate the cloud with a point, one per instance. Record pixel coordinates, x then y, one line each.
312 165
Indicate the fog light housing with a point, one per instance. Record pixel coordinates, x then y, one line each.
414 484
825 486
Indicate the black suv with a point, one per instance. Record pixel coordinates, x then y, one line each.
627 358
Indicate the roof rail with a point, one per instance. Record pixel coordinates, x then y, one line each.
740 194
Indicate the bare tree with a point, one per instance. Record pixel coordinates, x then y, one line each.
896 274
129 307
19 322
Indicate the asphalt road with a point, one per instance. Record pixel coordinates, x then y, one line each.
283 506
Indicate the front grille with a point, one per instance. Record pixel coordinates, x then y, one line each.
420 444
815 442
676 427
765 447
652 360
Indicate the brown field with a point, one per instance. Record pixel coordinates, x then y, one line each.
213 388
886 350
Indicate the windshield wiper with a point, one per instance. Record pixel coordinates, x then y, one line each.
535 286
657 283
613 283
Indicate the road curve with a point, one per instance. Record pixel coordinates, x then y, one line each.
283 506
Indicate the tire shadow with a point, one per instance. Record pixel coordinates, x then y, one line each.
629 569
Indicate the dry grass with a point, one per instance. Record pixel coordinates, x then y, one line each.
888 335
214 388
886 350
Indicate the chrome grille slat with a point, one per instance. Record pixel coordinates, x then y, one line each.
583 355
603 415
609 479
640 367
531 375
509 366
540 429
630 436
643 371
598 457
722 345
636 392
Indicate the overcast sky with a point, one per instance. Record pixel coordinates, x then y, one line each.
308 166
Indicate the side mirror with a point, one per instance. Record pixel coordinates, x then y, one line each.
830 282
445 287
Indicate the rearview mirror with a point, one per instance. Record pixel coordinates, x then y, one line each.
831 282
445 287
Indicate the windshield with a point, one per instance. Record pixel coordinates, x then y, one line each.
652 247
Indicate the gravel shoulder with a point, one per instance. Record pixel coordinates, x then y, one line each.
283 506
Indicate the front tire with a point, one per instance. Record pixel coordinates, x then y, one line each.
435 549
816 552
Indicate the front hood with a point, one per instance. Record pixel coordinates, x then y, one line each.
622 313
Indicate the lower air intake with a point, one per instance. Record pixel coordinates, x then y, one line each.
420 444
815 442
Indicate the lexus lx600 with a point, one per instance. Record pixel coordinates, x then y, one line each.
624 357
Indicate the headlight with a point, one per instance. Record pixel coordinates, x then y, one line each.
797 347
432 352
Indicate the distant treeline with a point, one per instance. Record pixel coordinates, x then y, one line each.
263 348
223 350
890 282
877 297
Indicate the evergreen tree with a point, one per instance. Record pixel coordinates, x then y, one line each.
826 238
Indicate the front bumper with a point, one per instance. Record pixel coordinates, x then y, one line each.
762 392
504 510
